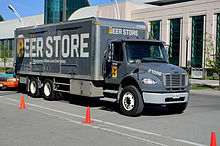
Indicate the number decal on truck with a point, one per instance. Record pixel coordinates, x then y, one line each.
114 71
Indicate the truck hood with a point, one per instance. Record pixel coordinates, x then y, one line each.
160 68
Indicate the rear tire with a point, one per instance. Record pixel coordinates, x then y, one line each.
131 102
58 96
48 90
34 88
177 108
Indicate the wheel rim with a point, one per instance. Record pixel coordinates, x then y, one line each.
47 89
128 101
33 87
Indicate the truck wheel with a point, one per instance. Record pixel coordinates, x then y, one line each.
33 88
48 91
177 108
131 101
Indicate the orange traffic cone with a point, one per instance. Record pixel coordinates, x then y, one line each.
213 140
88 120
22 105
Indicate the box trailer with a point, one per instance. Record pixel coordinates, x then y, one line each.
88 57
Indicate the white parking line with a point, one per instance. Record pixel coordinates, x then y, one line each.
8 103
80 123
117 125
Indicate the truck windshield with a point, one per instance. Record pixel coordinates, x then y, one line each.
146 52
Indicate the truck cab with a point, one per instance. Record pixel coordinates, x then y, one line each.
140 70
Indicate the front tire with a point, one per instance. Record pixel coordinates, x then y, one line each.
48 90
34 88
131 102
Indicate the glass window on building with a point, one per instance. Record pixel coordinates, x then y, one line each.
2 42
72 6
218 39
54 9
174 48
155 30
197 41
8 43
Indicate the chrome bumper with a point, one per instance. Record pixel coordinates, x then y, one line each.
165 98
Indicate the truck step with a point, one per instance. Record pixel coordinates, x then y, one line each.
111 91
61 91
62 84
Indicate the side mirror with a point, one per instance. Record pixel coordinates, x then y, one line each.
138 62
109 58
167 50
110 52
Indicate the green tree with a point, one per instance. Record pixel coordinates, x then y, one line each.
213 54
5 54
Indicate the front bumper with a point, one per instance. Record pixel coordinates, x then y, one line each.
165 98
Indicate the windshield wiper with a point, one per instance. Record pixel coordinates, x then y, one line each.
143 60
154 61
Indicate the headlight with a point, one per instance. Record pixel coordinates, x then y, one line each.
12 80
149 81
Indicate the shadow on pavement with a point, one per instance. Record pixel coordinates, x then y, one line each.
154 110
8 89
106 104
113 106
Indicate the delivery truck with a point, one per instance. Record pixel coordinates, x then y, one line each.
92 56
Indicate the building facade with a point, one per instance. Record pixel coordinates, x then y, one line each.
184 27
183 24
53 11
8 27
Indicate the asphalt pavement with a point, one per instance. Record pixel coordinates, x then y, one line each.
207 83
60 122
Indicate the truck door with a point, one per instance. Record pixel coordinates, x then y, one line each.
115 66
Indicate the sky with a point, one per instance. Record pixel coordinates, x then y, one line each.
30 7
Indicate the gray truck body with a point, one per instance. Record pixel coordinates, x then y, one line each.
65 61
89 56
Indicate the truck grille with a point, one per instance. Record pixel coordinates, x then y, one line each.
175 80
3 79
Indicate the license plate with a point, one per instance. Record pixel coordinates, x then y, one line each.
1 85
176 96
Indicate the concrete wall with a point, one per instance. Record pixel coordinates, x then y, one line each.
125 8
107 11
7 27
185 11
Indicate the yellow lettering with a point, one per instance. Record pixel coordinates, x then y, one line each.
114 71
20 48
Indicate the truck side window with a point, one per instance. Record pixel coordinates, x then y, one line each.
118 52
